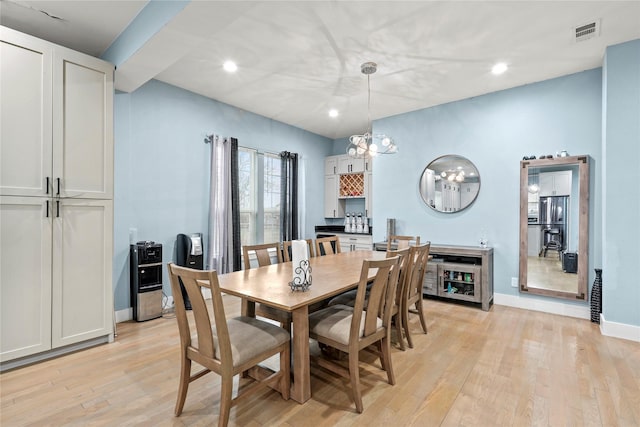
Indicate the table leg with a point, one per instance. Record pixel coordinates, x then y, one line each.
248 308
301 388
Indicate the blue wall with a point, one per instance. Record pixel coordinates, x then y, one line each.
494 131
162 167
621 201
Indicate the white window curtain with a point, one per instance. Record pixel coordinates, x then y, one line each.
224 212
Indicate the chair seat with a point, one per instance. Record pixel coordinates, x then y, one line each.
254 336
346 298
334 322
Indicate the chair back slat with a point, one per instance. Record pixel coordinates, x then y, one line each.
194 281
328 246
380 297
262 254
420 257
403 241
286 250
404 275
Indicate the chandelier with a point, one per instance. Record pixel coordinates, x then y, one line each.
368 144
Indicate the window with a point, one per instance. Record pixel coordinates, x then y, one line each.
259 182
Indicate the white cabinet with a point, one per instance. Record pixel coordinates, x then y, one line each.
534 235
355 242
555 183
333 208
25 276
368 191
348 164
57 135
358 176
331 165
56 188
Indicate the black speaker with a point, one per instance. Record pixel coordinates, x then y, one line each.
570 262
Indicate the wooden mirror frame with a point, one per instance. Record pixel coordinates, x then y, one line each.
583 225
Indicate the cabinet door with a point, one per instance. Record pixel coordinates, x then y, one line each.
25 114
331 196
82 256
83 126
460 281
368 192
331 165
348 164
562 183
25 276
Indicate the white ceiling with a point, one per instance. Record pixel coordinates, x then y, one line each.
298 59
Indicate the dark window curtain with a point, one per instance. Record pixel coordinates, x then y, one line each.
224 213
235 205
289 196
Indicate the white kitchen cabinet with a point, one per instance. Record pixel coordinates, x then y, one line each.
57 135
333 207
82 295
534 236
355 242
555 183
331 165
56 188
368 191
25 276
347 164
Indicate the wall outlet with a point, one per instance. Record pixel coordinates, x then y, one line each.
514 282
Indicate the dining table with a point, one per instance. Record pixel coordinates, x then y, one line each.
269 285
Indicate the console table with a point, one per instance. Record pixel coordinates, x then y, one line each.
462 273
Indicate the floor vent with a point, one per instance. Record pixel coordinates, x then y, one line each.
587 31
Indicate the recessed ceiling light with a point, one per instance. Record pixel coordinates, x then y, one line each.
333 113
499 68
230 66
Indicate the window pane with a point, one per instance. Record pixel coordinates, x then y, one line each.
247 189
271 198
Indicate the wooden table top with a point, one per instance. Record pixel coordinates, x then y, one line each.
331 275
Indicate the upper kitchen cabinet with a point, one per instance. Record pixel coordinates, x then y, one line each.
555 183
348 164
57 135
331 165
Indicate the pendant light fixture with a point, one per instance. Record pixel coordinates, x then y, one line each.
368 144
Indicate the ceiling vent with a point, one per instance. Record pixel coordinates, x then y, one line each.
587 31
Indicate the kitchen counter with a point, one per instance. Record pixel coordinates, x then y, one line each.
338 229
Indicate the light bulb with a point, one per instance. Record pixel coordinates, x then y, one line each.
451 177
373 148
360 150
352 151
386 141
459 178
443 174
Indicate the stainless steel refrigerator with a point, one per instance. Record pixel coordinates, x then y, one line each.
553 215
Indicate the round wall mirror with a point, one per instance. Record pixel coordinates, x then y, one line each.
449 184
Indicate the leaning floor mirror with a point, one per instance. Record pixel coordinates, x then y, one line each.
554 227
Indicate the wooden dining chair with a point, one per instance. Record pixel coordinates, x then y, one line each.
286 250
351 329
327 246
227 347
402 242
264 254
413 294
405 264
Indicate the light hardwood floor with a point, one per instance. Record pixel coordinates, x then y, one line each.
505 367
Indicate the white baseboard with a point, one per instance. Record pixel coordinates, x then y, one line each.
619 330
124 315
552 307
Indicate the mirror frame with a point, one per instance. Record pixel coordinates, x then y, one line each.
583 225
461 158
